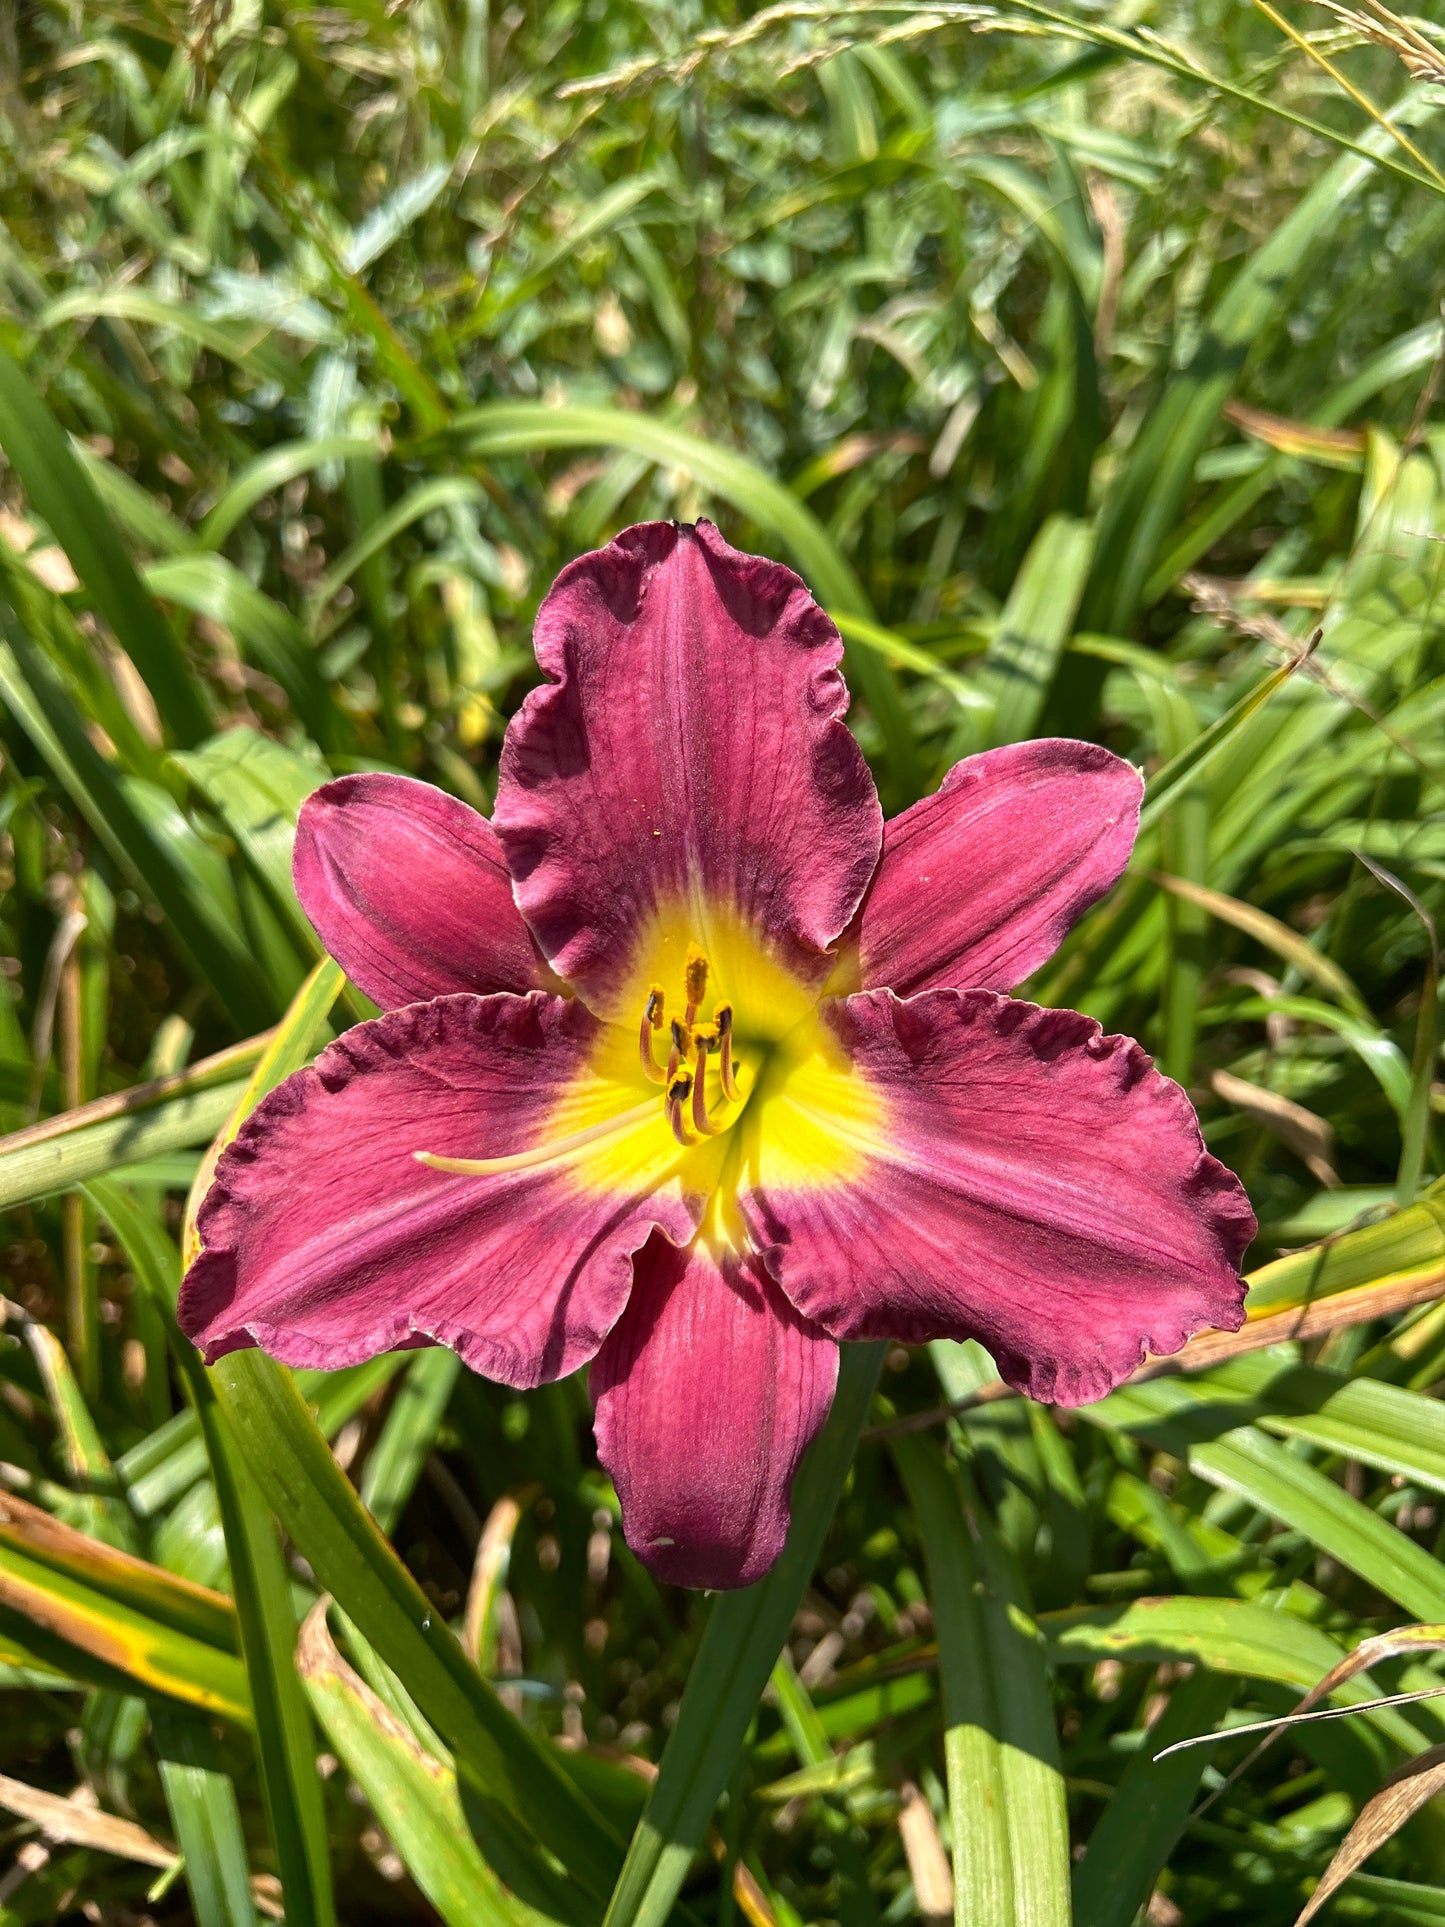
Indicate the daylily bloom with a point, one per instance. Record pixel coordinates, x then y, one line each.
692 1067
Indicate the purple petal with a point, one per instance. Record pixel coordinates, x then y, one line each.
709 1390
409 892
1034 1184
326 1241
980 882
688 748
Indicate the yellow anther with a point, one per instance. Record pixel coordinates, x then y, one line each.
705 1036
656 1004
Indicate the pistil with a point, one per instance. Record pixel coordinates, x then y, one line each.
558 1150
695 976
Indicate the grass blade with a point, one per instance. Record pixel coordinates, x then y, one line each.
285 1743
1005 1785
63 494
413 1794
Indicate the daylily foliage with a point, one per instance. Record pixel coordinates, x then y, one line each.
691 1067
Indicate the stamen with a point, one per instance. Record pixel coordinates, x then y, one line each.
681 1043
706 1040
679 1089
651 1021
723 1018
558 1149
695 977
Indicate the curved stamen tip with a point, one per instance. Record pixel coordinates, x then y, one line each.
681 1044
705 1040
656 1005
722 1018
679 1090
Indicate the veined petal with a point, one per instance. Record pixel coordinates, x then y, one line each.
687 760
1038 1186
980 882
409 892
326 1241
709 1389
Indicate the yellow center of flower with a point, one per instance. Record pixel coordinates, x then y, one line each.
730 1076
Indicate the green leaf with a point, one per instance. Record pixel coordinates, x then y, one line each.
744 1636
138 824
271 471
63 1622
1023 658
1143 505
266 1623
1223 1635
119 1575
257 787
413 1794
64 495
206 1815
1406 1243
1282 1486
394 1463
267 634
1005 1783
1137 1830
351 1560
60 1161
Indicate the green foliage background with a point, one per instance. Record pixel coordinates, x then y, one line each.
1086 362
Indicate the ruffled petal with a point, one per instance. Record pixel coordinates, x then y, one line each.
709 1389
687 751
1029 1182
409 892
979 882
325 1241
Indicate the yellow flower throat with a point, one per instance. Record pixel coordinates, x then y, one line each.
762 1058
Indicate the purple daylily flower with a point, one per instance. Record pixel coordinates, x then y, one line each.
693 1067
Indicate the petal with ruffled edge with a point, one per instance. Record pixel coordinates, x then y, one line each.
687 758
1032 1184
709 1389
979 883
325 1241
408 890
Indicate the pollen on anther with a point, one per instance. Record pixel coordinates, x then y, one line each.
656 1005
695 974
